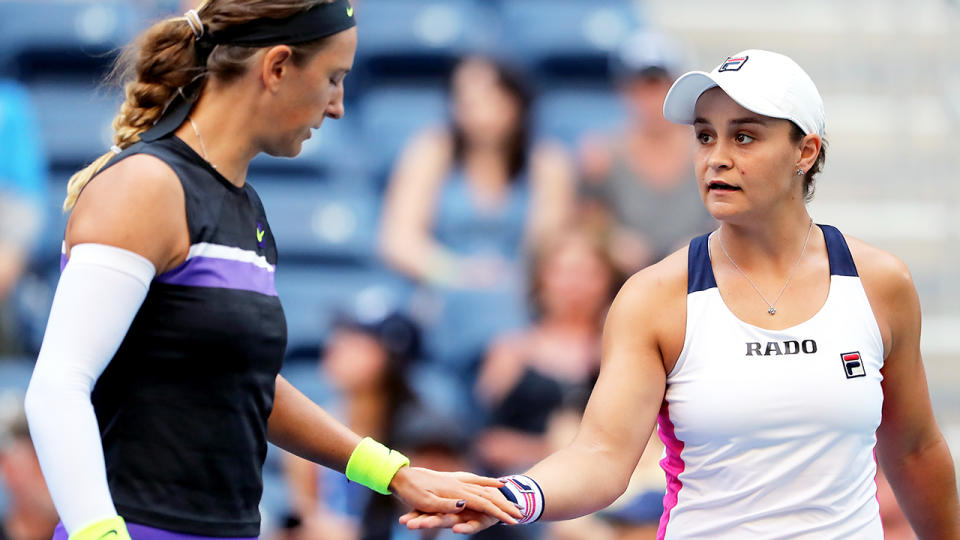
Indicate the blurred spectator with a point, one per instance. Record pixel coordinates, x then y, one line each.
636 514
30 513
22 185
530 375
463 204
639 184
366 361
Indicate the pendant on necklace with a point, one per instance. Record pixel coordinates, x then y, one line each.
772 311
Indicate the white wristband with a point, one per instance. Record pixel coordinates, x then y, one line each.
526 494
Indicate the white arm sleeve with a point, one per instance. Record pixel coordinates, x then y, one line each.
100 291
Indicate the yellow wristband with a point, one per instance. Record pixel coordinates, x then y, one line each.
106 529
374 465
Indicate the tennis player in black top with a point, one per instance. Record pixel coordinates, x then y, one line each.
157 387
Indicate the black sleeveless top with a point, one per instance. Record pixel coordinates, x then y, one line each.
183 405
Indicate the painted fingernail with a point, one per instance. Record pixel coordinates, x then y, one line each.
461 503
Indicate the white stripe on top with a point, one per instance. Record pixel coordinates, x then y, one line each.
230 253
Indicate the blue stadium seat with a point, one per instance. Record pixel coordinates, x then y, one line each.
403 39
15 373
320 221
313 294
76 122
47 251
305 375
390 115
54 37
567 39
569 114
333 149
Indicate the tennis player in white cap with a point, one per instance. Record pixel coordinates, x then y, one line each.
780 358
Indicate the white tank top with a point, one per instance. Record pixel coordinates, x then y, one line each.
771 433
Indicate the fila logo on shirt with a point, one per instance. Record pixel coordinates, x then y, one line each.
734 63
780 348
853 365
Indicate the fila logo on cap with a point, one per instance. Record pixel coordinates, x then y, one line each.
733 63
852 365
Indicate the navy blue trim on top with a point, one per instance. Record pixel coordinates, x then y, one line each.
699 270
841 261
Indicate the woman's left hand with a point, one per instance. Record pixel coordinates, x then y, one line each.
466 522
449 493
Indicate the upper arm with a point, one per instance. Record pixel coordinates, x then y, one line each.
907 420
553 189
413 187
138 205
629 392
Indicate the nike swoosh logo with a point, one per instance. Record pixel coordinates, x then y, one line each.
110 534
260 234
350 11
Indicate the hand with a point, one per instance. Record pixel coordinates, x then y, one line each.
484 271
465 522
453 493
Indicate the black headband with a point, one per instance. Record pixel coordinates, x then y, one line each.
318 22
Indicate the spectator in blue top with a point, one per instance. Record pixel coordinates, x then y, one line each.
464 203
22 184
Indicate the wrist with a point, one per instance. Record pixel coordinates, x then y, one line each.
112 528
442 268
524 492
374 465
400 479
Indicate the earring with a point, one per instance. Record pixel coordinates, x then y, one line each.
799 171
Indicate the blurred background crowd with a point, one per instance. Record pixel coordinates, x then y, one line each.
449 248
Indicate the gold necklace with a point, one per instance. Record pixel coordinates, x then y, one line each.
772 310
203 148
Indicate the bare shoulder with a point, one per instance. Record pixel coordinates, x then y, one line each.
137 204
881 272
669 272
650 309
890 290
423 162
550 161
550 151
435 142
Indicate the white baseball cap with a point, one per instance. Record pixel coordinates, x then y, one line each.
764 82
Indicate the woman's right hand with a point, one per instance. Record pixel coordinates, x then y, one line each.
465 522
447 493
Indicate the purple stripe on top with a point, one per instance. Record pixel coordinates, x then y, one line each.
63 261
221 273
142 532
